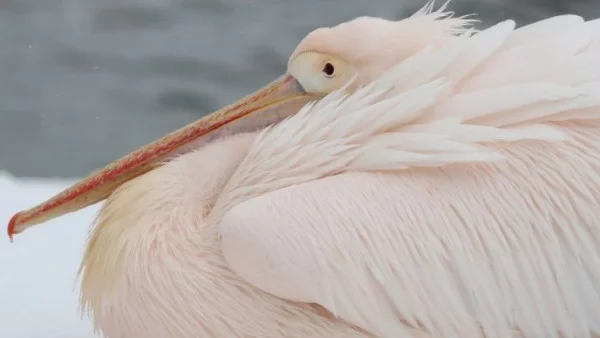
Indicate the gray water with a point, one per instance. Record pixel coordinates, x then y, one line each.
85 81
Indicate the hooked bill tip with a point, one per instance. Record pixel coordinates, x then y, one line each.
11 226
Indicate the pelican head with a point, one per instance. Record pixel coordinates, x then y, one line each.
153 266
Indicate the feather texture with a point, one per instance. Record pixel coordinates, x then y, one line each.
441 93
495 134
450 189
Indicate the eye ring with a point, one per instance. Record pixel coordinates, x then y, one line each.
328 69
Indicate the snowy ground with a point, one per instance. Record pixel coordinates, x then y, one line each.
38 285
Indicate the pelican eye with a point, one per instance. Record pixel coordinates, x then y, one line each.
319 72
328 69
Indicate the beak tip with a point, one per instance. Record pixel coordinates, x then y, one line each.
11 226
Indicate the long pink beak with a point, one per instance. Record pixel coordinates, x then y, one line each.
269 105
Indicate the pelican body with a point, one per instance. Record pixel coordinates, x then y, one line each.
412 178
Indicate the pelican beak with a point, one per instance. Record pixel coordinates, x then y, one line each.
271 104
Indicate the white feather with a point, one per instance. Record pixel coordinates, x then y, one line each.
516 64
536 31
479 48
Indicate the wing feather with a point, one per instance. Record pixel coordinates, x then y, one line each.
545 28
380 251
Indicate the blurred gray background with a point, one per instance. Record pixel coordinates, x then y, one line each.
83 82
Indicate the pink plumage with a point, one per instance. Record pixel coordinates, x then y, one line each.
445 185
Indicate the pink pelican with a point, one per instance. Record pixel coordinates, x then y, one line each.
412 178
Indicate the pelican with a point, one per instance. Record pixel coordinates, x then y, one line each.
411 178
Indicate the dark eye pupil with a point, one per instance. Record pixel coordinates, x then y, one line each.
328 69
